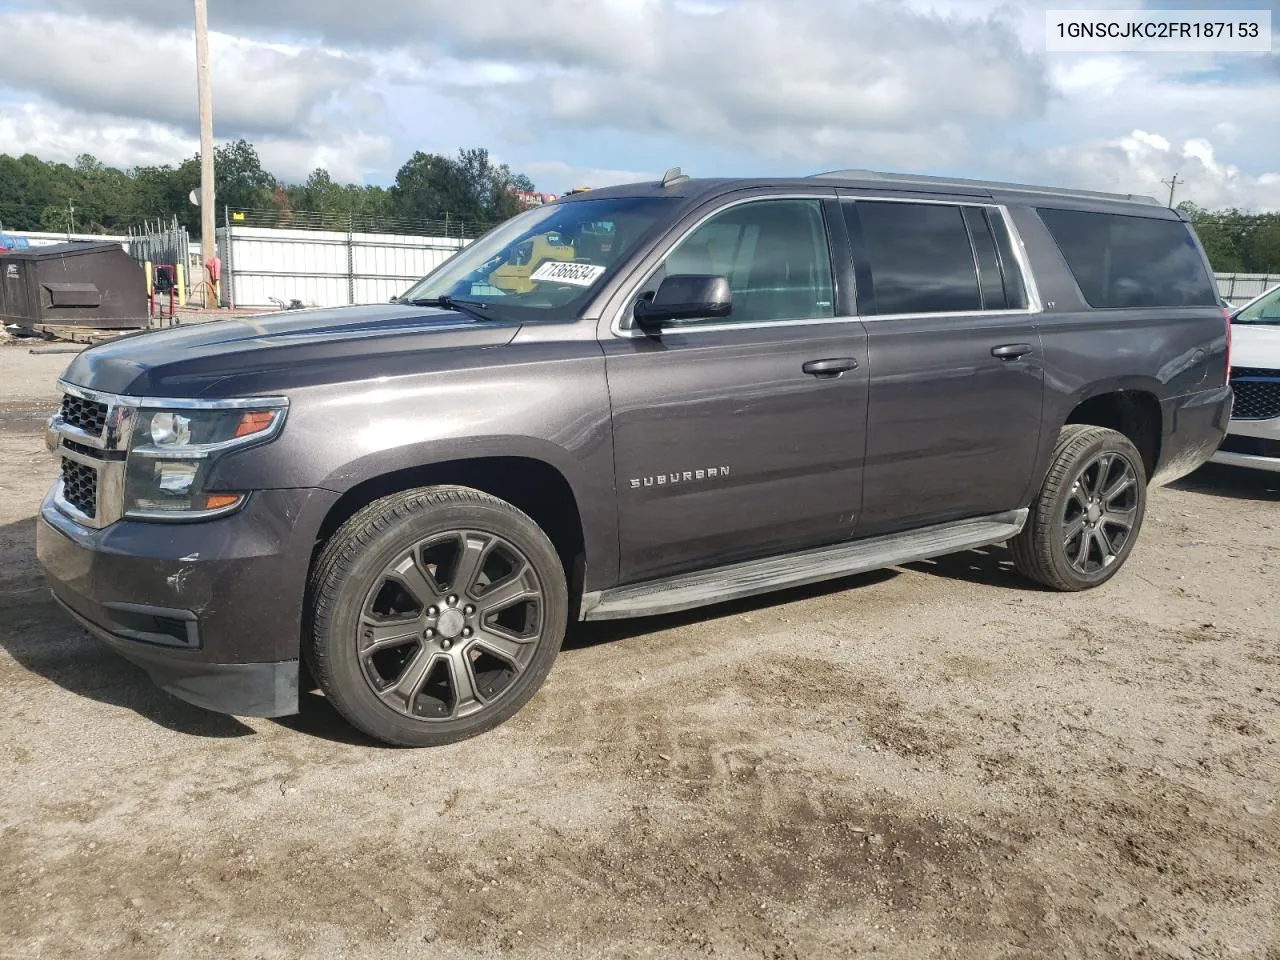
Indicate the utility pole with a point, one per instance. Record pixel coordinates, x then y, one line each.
207 237
1172 186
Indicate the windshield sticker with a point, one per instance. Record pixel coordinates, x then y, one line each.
560 271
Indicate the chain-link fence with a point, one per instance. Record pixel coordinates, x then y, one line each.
160 242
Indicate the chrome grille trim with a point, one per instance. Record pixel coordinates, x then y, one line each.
87 416
80 486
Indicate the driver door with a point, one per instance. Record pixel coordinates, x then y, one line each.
725 446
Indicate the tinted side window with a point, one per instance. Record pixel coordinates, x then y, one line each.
774 253
921 258
1125 261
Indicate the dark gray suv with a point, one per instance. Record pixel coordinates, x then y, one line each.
634 400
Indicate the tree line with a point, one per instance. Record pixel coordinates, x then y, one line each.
1236 241
88 196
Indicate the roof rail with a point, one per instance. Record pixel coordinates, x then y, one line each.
911 178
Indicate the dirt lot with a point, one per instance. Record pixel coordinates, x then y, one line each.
931 761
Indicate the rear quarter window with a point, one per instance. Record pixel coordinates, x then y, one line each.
1125 261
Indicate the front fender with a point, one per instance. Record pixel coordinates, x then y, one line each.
549 402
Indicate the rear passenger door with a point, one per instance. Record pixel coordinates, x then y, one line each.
956 371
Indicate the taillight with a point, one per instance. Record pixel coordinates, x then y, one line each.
1227 317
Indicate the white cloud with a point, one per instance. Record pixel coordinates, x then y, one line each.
824 80
557 176
933 86
59 134
780 78
116 69
1139 162
347 159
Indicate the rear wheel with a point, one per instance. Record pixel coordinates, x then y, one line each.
438 613
1085 520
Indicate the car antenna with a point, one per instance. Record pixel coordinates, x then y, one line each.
674 177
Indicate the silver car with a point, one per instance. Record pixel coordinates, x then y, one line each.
1253 438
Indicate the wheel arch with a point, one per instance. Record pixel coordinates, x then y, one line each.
1133 410
532 484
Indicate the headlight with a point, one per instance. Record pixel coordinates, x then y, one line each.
170 429
173 453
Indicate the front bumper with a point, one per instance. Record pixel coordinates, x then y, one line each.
211 610
1251 443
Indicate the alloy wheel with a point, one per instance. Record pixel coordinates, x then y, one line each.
1101 510
450 624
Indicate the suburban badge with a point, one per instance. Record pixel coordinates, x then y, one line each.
679 476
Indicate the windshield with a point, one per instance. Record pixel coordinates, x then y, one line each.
545 259
1266 309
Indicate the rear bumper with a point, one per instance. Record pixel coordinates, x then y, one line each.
211 610
1194 426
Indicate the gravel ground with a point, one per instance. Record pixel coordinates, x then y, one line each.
936 760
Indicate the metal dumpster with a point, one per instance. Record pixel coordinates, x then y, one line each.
87 284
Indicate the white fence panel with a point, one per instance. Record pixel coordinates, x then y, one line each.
1239 288
383 265
328 268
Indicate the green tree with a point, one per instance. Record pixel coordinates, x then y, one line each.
1236 241
430 186
165 191
36 195
239 179
468 188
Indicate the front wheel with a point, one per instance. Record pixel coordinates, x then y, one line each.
438 613
1085 520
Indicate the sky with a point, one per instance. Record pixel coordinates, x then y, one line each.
591 92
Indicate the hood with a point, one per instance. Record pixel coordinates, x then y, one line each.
273 351
1255 345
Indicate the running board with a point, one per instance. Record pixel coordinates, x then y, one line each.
702 587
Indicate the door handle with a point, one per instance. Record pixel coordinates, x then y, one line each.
1011 351
828 369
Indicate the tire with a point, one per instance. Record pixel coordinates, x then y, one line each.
413 658
1076 536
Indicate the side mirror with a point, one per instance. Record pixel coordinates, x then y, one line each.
690 296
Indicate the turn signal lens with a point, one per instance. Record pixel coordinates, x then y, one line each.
255 421
216 501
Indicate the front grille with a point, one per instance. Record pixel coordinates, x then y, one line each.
87 415
1257 393
80 486
1253 446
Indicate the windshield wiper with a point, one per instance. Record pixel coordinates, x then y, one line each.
474 308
